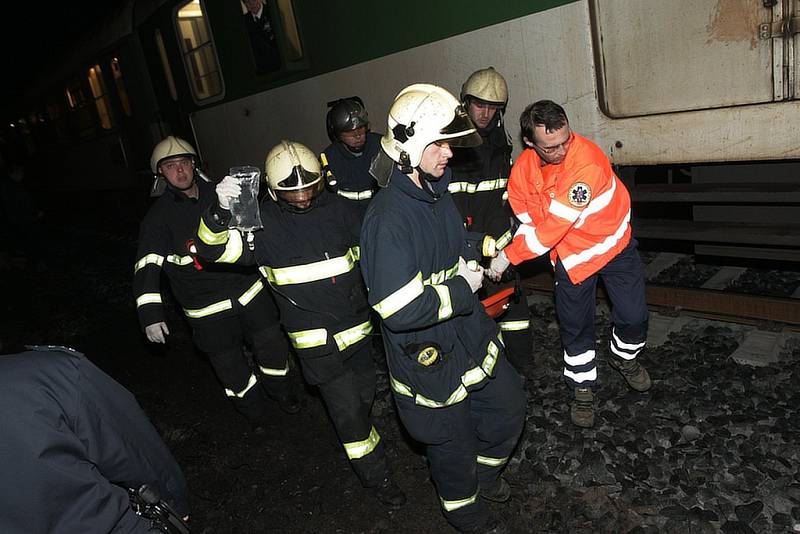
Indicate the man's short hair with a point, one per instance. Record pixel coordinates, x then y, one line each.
542 113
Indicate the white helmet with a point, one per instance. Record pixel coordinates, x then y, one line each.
487 85
420 115
291 166
170 147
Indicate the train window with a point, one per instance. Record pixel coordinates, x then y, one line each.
116 70
199 55
162 54
101 100
264 35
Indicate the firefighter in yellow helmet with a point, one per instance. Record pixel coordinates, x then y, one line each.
478 187
308 253
226 308
454 389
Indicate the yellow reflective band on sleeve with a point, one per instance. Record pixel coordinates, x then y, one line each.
504 240
154 259
513 326
355 195
306 339
251 293
400 298
250 383
449 506
275 372
211 309
470 188
148 298
209 237
353 335
442 276
311 272
359 449
445 304
492 462
180 260
233 248
489 248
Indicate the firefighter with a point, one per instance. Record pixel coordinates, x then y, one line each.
353 146
564 191
225 307
455 391
478 187
308 253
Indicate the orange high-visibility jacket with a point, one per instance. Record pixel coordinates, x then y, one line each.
578 210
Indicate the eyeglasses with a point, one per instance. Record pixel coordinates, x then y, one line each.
549 150
172 165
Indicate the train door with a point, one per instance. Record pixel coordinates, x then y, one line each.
661 57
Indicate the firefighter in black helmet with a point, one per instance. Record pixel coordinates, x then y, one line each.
226 308
353 146
308 254
478 187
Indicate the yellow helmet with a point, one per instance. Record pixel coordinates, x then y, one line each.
487 85
170 147
420 115
291 166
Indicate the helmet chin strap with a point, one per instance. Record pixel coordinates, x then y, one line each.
405 163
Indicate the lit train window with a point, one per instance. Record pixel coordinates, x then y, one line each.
199 55
116 70
162 54
264 35
101 100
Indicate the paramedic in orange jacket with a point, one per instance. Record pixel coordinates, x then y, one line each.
572 205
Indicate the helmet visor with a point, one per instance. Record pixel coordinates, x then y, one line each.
299 178
461 131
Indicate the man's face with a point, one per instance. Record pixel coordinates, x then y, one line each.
179 172
301 199
482 113
354 139
252 5
435 157
553 145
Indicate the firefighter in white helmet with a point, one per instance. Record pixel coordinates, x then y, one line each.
226 308
308 253
478 186
454 389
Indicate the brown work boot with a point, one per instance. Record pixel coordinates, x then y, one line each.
634 374
500 491
581 408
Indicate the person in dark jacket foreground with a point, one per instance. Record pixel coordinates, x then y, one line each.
74 441
308 253
455 391
225 306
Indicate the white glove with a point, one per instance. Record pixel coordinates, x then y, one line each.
498 266
227 189
156 332
473 277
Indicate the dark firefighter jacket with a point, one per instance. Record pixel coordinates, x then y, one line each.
478 187
203 290
353 180
311 261
411 242
73 441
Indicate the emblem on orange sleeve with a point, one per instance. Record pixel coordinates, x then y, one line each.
580 194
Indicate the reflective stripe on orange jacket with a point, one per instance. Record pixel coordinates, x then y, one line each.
578 210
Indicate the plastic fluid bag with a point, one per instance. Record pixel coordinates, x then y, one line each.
245 212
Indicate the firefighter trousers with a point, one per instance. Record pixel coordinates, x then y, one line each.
348 398
223 339
624 281
469 443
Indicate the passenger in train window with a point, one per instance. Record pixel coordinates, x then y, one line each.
309 255
353 147
261 31
228 309
455 391
478 187
572 205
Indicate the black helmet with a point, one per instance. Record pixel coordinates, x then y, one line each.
345 115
